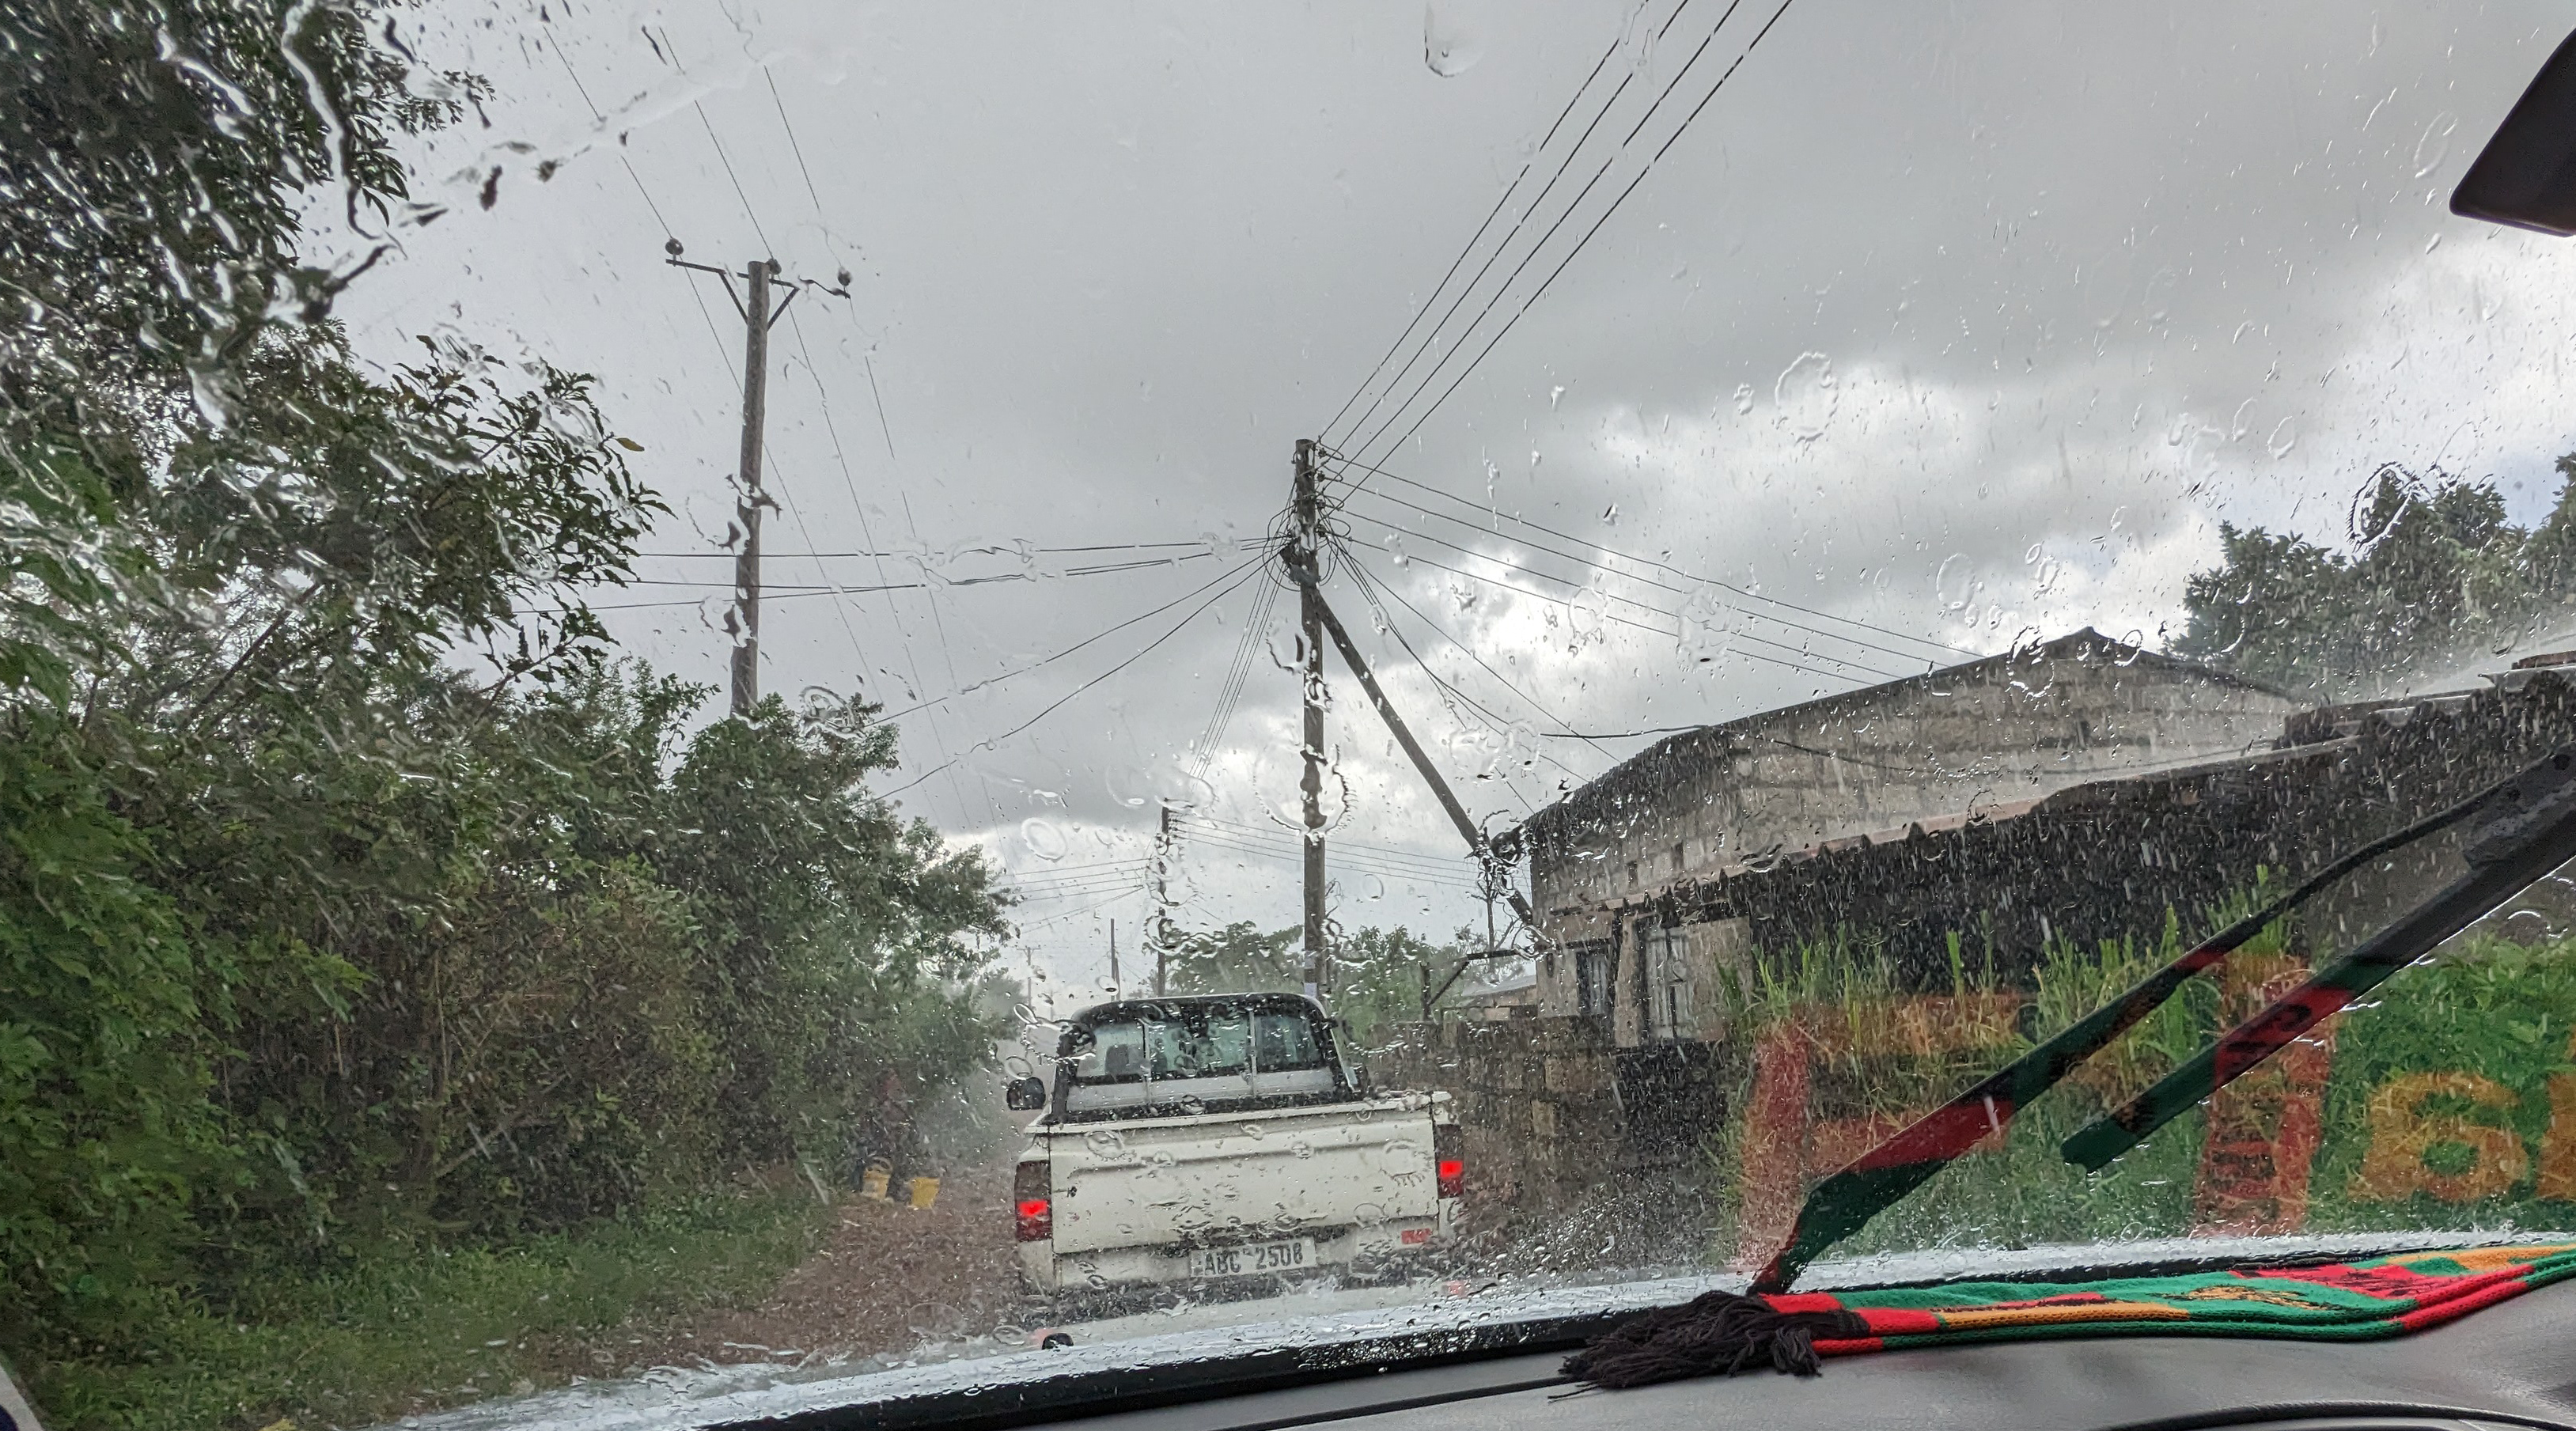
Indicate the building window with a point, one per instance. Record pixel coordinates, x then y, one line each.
1664 962
1591 975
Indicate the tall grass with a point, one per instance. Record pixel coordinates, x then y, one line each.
394 1329
2479 1043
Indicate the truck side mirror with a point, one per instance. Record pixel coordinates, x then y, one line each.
1024 1095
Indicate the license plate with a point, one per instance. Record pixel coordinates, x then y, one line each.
1252 1258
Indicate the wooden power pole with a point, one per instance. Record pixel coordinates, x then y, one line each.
758 317
746 562
1305 552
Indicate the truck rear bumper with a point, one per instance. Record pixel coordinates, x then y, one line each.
1043 1269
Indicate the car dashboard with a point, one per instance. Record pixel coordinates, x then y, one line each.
2512 1365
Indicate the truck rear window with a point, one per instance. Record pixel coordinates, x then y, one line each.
1162 1049
1181 1056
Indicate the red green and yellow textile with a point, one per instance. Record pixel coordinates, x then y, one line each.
1721 1333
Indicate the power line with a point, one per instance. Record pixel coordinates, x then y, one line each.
1059 703
1054 919
1564 164
1627 576
1288 852
1399 873
1664 566
1455 264
1369 589
1651 607
1295 836
795 148
1612 616
1238 671
1239 543
1615 596
1237 575
1581 243
1496 212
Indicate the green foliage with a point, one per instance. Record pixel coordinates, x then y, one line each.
1238 959
2437 575
2488 1007
318 956
1377 972
395 1328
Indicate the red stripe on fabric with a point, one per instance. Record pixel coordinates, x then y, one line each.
1899 1321
1849 1346
2452 1307
1804 1302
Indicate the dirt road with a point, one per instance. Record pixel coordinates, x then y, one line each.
886 1279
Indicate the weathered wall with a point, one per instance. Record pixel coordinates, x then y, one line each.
1991 732
1557 1119
2108 859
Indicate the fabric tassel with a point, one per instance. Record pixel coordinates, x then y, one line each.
1713 1334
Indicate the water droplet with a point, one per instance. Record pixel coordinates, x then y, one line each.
1043 839
1807 397
1449 45
2285 435
2435 144
1743 399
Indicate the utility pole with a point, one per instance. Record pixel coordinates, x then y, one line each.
1163 906
1114 990
752 301
746 562
1304 555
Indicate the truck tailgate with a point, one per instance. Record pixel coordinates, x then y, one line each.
1224 1177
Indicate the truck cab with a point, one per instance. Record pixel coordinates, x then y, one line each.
1223 1136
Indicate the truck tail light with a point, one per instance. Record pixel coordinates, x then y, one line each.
1445 1157
1032 1203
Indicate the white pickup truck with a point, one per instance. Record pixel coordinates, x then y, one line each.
1222 1136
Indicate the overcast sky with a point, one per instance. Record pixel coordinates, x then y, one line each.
1946 324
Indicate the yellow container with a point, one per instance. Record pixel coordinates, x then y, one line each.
872 1183
925 1191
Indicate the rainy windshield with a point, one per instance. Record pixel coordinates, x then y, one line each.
706 697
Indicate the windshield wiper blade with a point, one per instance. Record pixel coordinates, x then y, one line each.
1877 1180
2532 833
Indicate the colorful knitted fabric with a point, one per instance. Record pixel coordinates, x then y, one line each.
1722 1333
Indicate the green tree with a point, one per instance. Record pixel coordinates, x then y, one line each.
2436 575
306 935
1377 972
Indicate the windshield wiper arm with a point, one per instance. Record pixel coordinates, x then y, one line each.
2545 816
2533 833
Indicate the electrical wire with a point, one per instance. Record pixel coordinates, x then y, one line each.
1564 166
1580 244
1369 589
1496 212
1737 645
1292 835
1241 544
1238 671
1663 566
1646 581
1054 919
1399 873
1237 574
1743 636
1059 703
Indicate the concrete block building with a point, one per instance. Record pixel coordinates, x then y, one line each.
1986 739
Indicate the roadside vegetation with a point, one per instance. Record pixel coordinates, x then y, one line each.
382 959
2443 1101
